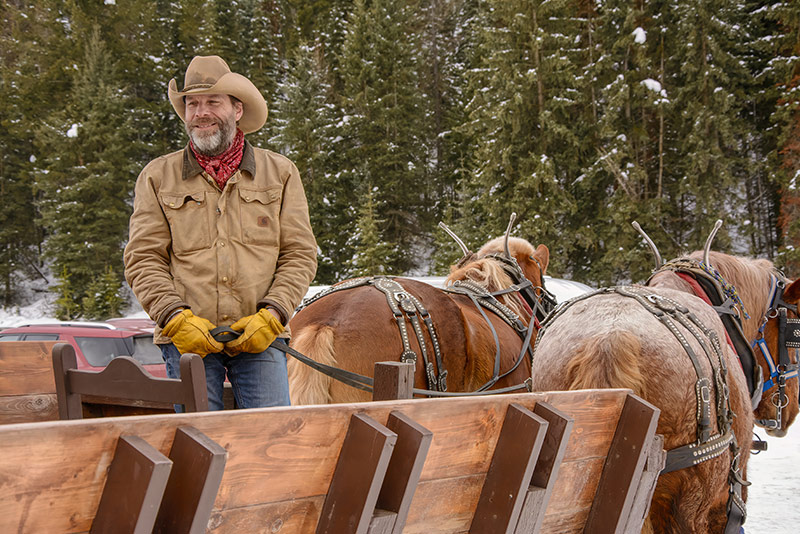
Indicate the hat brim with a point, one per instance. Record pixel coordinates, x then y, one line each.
254 106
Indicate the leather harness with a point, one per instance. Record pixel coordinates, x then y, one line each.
407 307
708 443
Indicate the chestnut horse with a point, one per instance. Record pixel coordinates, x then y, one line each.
355 328
615 338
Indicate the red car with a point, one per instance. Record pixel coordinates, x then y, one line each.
97 343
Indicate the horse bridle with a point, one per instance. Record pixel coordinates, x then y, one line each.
788 337
540 305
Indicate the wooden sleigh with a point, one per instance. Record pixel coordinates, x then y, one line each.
578 461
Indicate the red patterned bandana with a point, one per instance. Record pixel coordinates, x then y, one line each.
222 166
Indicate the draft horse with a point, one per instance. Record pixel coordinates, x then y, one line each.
667 342
467 337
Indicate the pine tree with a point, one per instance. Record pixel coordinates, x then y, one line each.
786 155
372 255
305 122
445 50
31 42
103 300
86 177
523 109
623 175
384 109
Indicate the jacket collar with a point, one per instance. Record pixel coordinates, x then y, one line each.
192 168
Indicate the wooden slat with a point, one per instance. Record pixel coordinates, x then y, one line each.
654 463
547 468
284 458
133 490
25 368
357 479
198 464
622 472
402 475
510 472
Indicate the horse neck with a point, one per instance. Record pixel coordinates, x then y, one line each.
752 281
487 273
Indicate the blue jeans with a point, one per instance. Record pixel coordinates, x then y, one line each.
258 380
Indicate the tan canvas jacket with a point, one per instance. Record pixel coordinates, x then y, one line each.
224 254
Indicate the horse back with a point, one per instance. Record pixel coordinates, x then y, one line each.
362 330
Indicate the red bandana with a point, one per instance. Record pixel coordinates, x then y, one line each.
222 166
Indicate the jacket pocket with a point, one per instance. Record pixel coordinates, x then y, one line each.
187 214
258 215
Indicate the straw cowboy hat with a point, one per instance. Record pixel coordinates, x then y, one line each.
209 75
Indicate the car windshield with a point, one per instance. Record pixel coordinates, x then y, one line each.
99 351
145 351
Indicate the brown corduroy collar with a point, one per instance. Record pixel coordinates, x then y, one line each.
192 168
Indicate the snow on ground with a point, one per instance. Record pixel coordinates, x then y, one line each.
772 502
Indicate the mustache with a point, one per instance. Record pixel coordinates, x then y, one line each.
194 124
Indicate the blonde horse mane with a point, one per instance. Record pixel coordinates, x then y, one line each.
490 275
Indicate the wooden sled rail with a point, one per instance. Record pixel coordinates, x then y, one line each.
579 461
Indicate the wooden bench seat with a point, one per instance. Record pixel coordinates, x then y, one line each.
27 389
281 463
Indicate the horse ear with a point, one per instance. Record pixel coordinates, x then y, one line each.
792 293
542 254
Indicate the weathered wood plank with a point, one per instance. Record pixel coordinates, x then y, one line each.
51 473
357 478
28 408
509 475
616 492
25 368
133 489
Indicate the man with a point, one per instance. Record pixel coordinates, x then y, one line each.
220 236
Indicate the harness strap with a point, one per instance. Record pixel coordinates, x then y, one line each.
365 383
403 305
710 291
668 312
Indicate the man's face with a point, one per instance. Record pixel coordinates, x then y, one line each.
211 122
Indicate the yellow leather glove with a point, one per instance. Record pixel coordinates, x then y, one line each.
258 332
190 333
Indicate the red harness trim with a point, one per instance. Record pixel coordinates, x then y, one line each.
529 310
698 291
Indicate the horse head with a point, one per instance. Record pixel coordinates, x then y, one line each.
533 262
768 306
779 362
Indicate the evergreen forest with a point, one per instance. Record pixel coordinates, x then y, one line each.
580 116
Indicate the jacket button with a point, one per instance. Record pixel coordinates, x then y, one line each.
171 204
247 198
224 278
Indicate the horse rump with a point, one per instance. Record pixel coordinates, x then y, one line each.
609 360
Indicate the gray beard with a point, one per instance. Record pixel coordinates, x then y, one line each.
216 143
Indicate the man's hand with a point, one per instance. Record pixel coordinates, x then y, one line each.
192 334
258 332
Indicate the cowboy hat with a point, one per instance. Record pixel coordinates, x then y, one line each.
209 75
